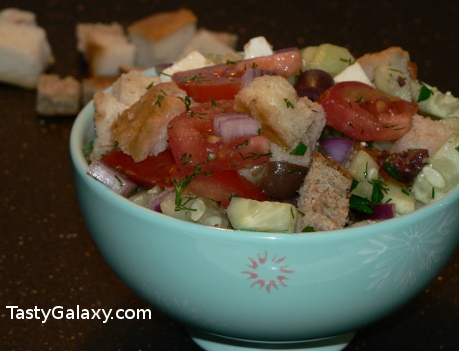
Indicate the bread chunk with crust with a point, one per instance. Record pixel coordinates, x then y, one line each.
141 130
108 106
286 119
394 55
425 133
324 195
58 96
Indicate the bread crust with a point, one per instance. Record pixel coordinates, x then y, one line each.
160 25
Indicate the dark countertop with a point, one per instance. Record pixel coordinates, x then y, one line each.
47 258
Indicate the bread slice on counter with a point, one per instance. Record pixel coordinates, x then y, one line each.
58 96
208 42
105 47
160 38
324 196
24 51
13 15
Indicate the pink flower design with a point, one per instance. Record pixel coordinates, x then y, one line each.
267 273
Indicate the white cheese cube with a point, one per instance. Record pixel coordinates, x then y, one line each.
353 73
193 60
257 47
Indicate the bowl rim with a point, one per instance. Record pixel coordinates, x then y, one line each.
80 130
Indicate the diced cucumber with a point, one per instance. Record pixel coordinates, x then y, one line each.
330 58
403 199
196 209
434 102
441 175
307 53
143 198
393 81
363 189
363 167
264 216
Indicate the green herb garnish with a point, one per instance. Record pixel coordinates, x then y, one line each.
180 186
289 103
300 150
308 229
424 93
392 171
360 204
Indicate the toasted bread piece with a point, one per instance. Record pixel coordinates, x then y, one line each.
141 130
324 196
108 106
24 54
105 47
395 56
211 43
91 85
286 119
425 133
58 96
161 37
16 16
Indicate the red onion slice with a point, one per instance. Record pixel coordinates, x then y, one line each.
380 212
112 178
338 149
253 73
156 200
234 125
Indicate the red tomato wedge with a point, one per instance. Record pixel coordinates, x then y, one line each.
222 82
154 170
365 113
221 186
194 144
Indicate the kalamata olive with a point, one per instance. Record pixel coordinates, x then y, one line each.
312 83
281 180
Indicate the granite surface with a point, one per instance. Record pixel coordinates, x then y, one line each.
47 258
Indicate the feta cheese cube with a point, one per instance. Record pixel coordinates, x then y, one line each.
193 60
353 73
257 47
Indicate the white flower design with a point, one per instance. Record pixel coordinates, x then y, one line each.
399 258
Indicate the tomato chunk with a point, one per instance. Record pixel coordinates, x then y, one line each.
222 82
194 143
154 170
365 113
221 186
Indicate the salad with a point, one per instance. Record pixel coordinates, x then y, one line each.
279 141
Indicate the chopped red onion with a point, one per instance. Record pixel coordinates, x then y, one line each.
338 149
253 73
234 125
161 67
380 212
285 50
156 200
112 178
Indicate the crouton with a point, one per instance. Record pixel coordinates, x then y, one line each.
286 119
105 47
395 56
91 85
16 16
128 89
160 38
141 130
25 53
58 96
207 42
425 133
324 195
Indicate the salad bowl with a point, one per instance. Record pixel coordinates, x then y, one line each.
241 290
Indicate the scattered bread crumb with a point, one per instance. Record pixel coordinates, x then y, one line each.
58 96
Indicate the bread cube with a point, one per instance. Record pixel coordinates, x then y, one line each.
58 97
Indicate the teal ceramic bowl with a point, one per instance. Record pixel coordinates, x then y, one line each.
239 290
